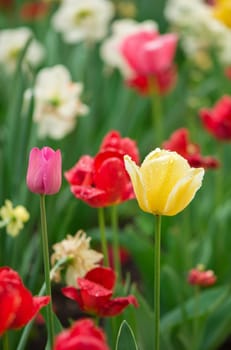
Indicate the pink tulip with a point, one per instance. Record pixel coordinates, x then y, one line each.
44 174
149 53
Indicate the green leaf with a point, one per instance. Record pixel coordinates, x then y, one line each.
125 338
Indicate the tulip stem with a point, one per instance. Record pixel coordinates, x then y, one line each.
5 341
116 257
157 282
103 235
46 261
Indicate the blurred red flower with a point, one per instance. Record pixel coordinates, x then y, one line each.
150 56
83 335
217 120
36 10
95 291
17 305
102 181
201 278
179 142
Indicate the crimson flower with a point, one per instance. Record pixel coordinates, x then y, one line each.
95 291
217 120
102 181
179 142
150 57
83 335
17 305
31 11
201 278
44 175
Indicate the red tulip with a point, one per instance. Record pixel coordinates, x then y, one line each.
31 11
150 57
44 174
95 291
218 119
180 143
17 305
83 335
201 278
102 181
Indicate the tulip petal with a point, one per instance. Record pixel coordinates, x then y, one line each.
137 182
183 192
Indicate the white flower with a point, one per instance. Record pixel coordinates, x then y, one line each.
57 102
200 31
13 218
12 43
110 49
81 257
80 20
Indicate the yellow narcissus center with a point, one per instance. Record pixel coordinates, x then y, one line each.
82 15
222 11
165 183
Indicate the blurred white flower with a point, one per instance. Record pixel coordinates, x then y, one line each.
199 30
83 19
81 257
110 49
57 102
13 218
12 43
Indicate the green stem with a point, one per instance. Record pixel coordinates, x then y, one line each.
157 283
5 341
156 113
195 320
116 256
46 260
103 235
220 176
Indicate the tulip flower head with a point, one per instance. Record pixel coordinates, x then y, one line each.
83 335
17 305
179 142
217 120
201 277
44 174
165 183
95 291
102 181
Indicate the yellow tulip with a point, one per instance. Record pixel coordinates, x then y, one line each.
165 183
222 11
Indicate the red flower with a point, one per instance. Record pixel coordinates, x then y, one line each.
180 143
201 278
102 181
218 119
95 292
17 305
83 335
31 11
150 57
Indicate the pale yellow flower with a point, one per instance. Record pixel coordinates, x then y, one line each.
13 218
222 11
165 183
81 257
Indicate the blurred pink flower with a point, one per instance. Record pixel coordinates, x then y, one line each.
44 171
200 277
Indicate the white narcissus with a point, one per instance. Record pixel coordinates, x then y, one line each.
12 43
83 20
57 102
81 257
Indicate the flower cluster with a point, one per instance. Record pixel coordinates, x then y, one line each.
201 277
102 180
13 218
